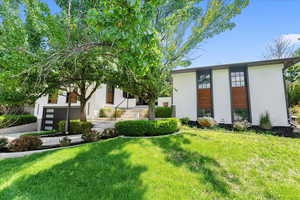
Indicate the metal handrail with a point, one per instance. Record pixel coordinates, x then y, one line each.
116 108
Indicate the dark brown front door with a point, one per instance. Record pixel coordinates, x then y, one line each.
110 91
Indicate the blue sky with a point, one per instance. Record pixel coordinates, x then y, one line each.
259 23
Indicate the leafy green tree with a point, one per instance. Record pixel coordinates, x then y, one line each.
179 27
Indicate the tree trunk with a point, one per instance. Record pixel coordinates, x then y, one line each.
82 111
151 107
67 125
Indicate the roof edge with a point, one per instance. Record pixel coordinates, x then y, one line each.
287 62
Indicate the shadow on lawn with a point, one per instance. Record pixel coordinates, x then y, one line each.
209 170
101 171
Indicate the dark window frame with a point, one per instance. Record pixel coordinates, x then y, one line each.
243 69
210 86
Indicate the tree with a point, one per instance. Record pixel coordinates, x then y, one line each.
279 48
177 29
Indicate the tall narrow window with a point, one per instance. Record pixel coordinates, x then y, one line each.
52 98
204 94
73 97
110 91
239 92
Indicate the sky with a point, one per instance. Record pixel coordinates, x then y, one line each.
257 25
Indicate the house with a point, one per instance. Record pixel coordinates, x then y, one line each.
50 109
233 92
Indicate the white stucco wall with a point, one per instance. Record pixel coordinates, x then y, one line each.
221 96
267 94
184 95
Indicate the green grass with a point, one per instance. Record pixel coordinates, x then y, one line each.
41 133
191 165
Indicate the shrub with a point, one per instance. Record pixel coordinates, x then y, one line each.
207 122
184 121
16 120
109 133
76 126
41 133
163 112
265 121
146 127
91 136
241 125
65 141
111 112
102 113
3 142
25 143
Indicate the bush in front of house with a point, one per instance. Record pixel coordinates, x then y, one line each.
76 126
241 125
163 112
3 142
16 120
184 121
65 141
41 133
207 122
147 127
91 136
109 133
265 122
25 143
111 112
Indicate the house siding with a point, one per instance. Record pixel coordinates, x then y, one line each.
267 94
185 95
221 96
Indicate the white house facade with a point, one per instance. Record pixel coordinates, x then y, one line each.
50 109
233 92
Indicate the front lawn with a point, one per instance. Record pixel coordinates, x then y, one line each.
191 165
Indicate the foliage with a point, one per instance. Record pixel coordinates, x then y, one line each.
241 125
25 143
16 120
294 93
265 122
292 73
109 133
295 110
3 142
76 127
207 122
147 127
184 121
163 112
41 133
91 136
65 141
111 112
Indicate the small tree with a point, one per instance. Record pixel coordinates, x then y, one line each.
279 48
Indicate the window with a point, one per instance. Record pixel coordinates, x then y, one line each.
73 97
238 79
239 94
204 80
52 98
204 94
127 95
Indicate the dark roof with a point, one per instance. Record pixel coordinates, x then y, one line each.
286 61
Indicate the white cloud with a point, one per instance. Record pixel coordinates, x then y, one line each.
293 38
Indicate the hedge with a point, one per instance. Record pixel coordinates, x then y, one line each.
76 126
147 127
163 112
16 120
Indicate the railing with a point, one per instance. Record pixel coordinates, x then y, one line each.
116 108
